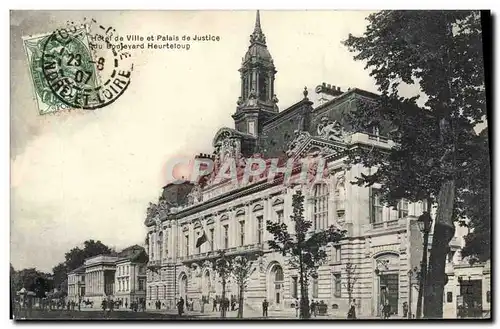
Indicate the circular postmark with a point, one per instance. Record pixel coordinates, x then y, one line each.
76 77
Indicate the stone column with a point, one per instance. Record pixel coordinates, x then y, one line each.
149 244
192 239
249 225
217 234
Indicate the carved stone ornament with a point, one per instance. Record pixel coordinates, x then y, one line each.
163 207
299 138
195 196
196 270
151 213
330 130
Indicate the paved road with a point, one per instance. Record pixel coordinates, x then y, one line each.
122 314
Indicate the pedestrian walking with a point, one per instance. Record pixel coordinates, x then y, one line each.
405 310
313 307
297 307
265 305
387 310
180 306
351 314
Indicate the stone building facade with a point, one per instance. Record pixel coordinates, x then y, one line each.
120 276
381 245
76 284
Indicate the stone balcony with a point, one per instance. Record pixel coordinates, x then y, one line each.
154 264
254 248
387 225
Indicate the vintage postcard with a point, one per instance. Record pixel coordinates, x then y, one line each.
258 164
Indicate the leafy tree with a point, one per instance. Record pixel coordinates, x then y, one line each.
440 52
474 204
223 266
305 249
243 268
76 258
32 280
60 274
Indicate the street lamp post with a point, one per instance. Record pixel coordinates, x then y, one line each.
424 224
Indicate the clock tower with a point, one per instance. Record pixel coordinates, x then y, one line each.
257 102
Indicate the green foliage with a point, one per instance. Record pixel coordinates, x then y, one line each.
303 242
243 268
32 280
474 202
76 258
304 248
441 53
435 154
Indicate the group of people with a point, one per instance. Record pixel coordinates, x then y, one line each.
226 304
109 304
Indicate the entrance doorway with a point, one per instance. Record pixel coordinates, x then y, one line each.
389 291
276 286
183 285
472 293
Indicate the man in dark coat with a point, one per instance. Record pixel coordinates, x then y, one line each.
265 305
352 310
180 306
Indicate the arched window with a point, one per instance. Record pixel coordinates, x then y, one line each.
320 200
278 274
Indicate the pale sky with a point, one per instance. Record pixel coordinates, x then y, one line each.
91 174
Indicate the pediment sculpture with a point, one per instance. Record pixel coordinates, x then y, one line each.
151 213
299 138
330 130
195 196
163 207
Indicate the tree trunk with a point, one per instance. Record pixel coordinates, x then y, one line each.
444 230
304 298
240 302
223 301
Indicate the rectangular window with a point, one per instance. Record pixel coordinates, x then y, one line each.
320 214
337 285
402 209
488 297
226 236
187 245
315 288
251 128
377 208
295 287
211 239
449 297
242 233
141 284
279 216
260 229
336 254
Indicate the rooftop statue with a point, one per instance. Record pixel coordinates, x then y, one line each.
330 130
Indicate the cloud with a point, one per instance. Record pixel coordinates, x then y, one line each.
91 174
